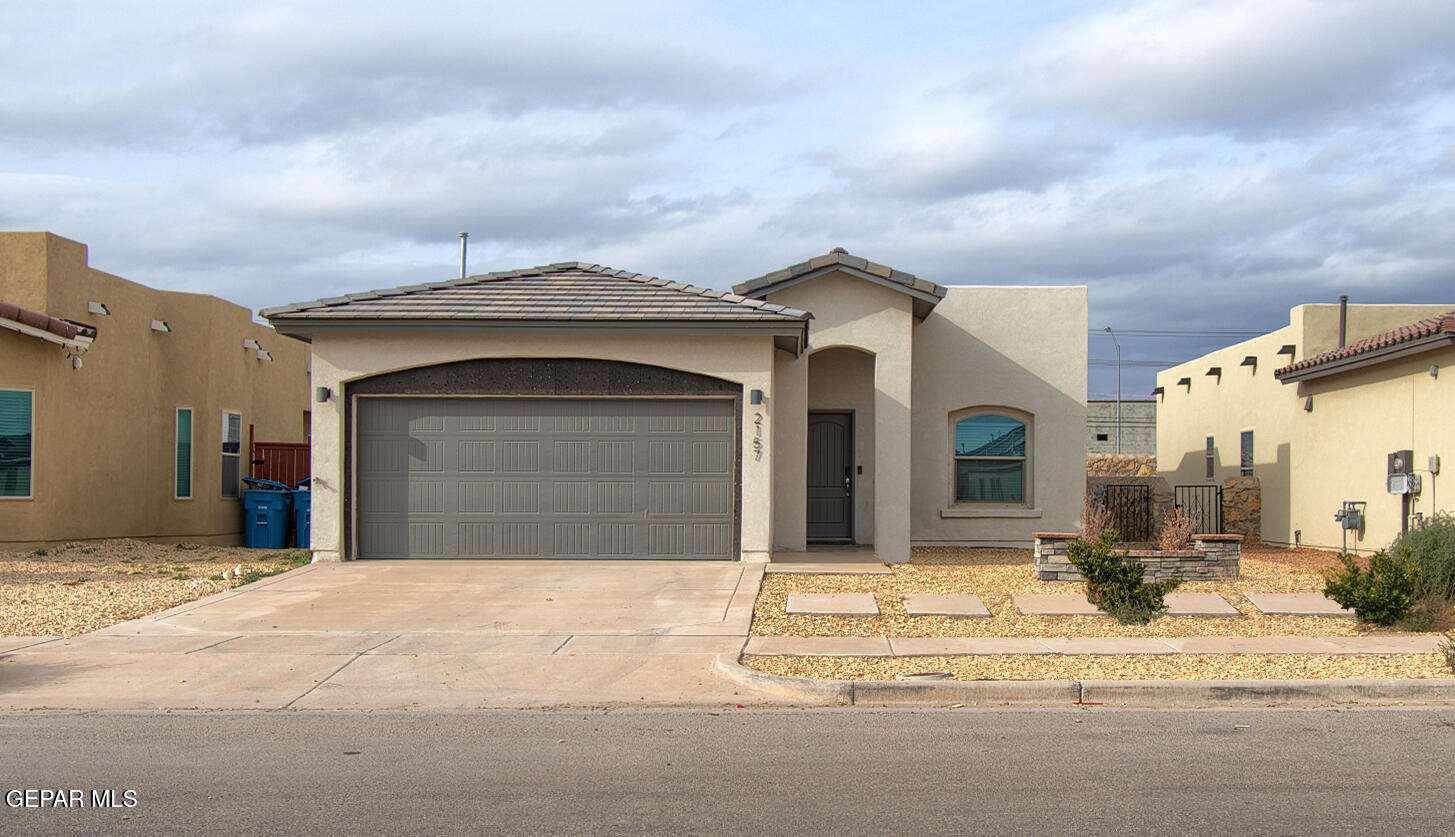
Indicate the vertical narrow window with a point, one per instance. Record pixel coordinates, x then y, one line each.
1245 454
1211 457
184 453
231 453
15 442
990 459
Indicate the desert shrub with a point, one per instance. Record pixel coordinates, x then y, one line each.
1383 594
1114 582
1448 649
1095 519
1176 532
1432 548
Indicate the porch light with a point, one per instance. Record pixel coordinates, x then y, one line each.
755 396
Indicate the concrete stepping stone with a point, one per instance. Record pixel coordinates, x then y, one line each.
1054 604
832 604
1297 604
1199 604
828 568
928 604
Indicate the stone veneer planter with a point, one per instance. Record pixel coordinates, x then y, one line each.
1214 556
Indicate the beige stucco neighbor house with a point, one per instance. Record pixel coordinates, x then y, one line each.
124 410
574 410
1315 422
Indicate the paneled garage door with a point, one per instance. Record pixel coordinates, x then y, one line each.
545 478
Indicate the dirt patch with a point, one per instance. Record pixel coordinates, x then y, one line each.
1113 667
997 574
76 588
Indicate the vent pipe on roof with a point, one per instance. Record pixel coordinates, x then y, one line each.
1343 319
464 239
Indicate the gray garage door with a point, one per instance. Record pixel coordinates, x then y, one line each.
545 478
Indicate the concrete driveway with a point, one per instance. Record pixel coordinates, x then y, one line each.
426 634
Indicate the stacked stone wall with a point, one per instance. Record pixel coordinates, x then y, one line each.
1243 508
1120 465
1213 556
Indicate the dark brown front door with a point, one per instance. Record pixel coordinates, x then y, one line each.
830 475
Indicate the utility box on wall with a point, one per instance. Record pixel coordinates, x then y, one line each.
1401 462
1402 478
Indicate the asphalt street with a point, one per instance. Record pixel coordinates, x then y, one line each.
1064 771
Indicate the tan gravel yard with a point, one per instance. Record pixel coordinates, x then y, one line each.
996 574
1120 667
80 587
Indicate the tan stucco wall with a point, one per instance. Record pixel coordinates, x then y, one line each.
851 312
843 379
104 434
1023 348
339 358
1309 462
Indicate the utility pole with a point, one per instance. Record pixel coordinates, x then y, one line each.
1119 385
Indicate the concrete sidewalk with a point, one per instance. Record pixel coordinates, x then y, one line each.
413 634
883 646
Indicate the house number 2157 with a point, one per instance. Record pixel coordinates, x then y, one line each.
757 437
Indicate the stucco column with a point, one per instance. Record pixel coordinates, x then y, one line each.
759 455
790 459
326 540
892 446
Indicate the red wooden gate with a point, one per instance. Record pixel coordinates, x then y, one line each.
285 462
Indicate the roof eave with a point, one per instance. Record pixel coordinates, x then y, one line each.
1372 357
79 342
304 328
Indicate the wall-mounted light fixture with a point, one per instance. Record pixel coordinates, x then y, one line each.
755 396
160 325
250 343
98 308
1434 371
1308 404
322 394
263 354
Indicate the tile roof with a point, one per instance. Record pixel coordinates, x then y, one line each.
839 257
44 322
1426 328
556 292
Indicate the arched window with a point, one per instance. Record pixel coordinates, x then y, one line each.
990 459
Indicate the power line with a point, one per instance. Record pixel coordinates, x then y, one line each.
1167 332
1096 361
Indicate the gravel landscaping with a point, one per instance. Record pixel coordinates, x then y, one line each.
1118 667
76 588
997 574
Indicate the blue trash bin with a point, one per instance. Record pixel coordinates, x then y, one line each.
302 513
265 514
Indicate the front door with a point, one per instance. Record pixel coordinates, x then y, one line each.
830 475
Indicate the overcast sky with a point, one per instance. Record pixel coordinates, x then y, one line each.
1199 165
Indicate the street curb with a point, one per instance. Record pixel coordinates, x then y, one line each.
1130 693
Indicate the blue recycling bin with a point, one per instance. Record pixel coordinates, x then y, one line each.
265 514
302 513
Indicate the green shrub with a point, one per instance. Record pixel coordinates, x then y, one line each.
1448 649
1431 548
1383 594
1114 582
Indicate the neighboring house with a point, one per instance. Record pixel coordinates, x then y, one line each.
574 411
1314 423
124 410
1138 427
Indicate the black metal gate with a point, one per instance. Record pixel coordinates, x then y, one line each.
1202 503
1131 510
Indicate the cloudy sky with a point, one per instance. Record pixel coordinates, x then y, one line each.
1200 165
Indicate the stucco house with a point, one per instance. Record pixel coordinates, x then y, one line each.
1313 412
573 410
124 410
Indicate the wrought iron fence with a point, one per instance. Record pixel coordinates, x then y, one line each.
1130 507
1202 503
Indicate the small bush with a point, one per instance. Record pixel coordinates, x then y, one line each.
1095 519
39 553
1114 583
1383 594
1177 531
1432 548
1448 649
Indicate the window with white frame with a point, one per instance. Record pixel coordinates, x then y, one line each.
183 472
16 444
990 452
231 453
